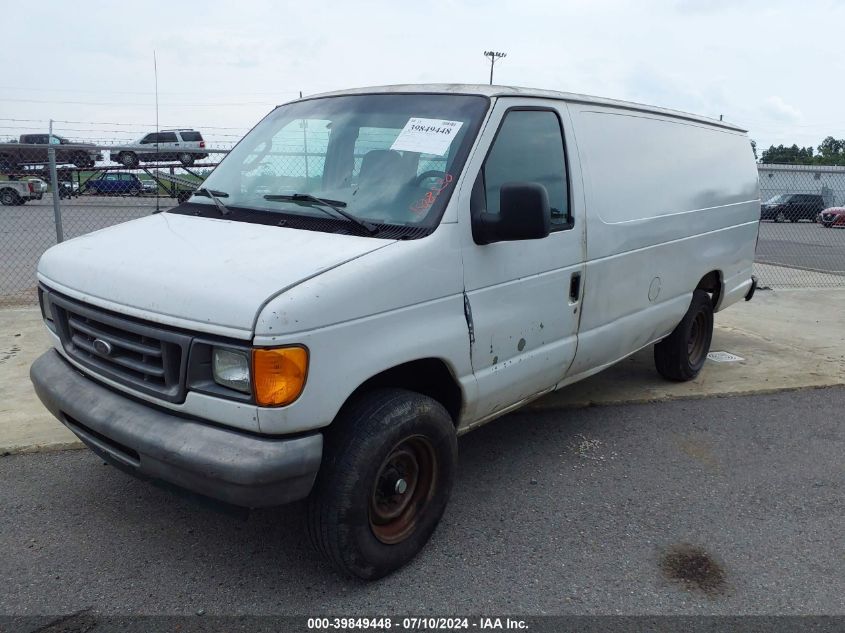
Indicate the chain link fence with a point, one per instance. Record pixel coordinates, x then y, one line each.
801 243
53 189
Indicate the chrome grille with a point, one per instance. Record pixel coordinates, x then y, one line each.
142 356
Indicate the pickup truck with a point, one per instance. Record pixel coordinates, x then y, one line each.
31 149
15 192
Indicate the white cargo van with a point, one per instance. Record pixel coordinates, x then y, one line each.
371 273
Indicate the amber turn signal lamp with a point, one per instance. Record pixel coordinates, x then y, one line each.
278 374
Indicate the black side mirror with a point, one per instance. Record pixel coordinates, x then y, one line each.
524 214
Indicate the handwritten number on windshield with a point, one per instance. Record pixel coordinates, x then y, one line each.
424 204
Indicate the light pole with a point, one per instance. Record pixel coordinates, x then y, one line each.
494 56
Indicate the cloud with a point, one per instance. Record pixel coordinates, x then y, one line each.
221 68
702 7
781 111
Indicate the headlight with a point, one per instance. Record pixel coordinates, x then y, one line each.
230 368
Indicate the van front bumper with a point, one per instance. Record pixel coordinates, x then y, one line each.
228 465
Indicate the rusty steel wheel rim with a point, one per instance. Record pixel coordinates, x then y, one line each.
404 486
695 342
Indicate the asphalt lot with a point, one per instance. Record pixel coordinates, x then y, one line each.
802 245
556 512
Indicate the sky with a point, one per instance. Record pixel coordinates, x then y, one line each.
772 66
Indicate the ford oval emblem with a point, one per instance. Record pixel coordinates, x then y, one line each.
102 347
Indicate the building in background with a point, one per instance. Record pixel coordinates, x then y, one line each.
828 181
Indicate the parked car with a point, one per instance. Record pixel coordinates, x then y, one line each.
183 145
16 192
833 216
32 149
791 207
114 183
331 339
68 188
149 185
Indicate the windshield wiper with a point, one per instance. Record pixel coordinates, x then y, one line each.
215 196
335 205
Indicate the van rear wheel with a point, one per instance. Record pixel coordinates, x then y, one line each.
388 464
681 355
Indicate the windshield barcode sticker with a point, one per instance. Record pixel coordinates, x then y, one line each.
427 136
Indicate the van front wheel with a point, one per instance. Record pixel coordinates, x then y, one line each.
681 355
388 465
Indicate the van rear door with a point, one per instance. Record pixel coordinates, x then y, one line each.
523 297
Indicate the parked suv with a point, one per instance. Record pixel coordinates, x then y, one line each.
791 207
182 145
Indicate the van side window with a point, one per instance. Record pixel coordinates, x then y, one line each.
529 148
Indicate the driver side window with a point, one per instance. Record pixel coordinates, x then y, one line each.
529 148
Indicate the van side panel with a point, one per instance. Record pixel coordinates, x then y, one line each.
667 202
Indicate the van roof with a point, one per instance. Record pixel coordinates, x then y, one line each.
516 91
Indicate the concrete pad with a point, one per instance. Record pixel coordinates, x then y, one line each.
772 275
25 425
788 339
807 319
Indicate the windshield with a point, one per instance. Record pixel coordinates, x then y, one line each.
784 197
384 158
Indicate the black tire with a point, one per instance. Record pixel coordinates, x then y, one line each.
9 197
681 355
83 160
7 165
186 159
128 159
384 439
827 225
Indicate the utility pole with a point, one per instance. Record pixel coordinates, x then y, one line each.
158 135
54 184
494 56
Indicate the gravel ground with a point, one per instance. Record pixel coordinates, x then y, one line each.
717 506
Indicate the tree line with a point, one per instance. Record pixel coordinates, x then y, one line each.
831 151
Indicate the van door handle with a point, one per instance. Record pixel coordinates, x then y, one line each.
575 287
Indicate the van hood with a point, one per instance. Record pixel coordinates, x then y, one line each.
207 275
